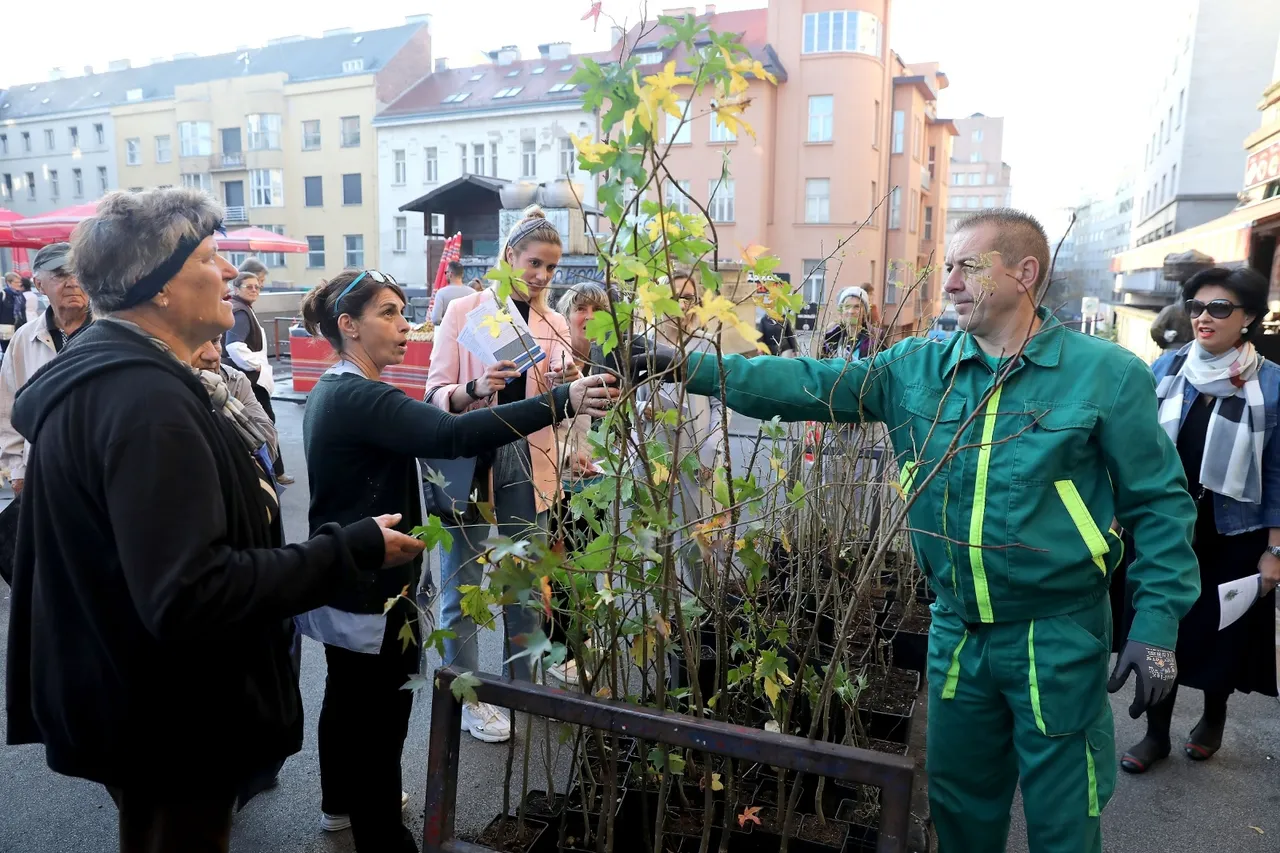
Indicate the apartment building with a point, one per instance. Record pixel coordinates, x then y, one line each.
980 179
847 175
1100 233
1192 158
509 119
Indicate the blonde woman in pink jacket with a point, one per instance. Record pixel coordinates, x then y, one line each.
525 476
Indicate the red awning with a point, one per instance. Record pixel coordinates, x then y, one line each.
52 227
259 240
7 240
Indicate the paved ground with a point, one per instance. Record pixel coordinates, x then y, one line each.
1229 805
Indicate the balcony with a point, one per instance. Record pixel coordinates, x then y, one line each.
925 178
235 216
228 162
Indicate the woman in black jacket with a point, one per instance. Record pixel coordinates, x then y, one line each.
363 438
150 581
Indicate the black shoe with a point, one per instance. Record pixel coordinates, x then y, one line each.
1142 756
1206 739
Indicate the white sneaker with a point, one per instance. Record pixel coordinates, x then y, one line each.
566 673
486 722
339 822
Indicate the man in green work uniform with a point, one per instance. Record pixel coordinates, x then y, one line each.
1019 441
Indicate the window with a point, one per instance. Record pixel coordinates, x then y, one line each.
976 136
678 131
839 32
133 151
402 234
264 131
267 186
975 179
957 178
197 181
26 142
653 57
53 183
315 252
1160 136
563 87
352 189
507 93
913 213
351 135
462 152
567 67
100 134
102 179
1164 182
48 140
313 191
164 149
975 157
437 224
991 179
721 194
677 200
1182 99
539 69
430 166
474 77
875 127
401 167
988 201
4 143
493 159
722 132
272 259
311 135
817 200
899 128
73 134
77 182
875 200
6 187
195 139
895 208
1173 181
917 141
928 222
1168 134
514 72
568 156
350 66
31 186
456 98
477 158
972 202
821 108
814 286
528 158
355 250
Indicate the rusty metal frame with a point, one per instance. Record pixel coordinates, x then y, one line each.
892 774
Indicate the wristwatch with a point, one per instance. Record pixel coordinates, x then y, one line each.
1274 550
471 390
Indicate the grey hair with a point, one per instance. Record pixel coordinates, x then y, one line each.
133 233
584 294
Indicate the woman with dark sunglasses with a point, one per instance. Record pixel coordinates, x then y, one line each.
1218 401
362 439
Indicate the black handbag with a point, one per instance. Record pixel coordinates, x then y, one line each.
446 489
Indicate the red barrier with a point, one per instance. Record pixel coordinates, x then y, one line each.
311 357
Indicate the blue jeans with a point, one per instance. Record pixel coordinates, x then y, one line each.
518 518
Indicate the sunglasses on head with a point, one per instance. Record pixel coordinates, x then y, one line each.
1219 309
379 277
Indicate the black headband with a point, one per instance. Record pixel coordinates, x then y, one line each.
153 282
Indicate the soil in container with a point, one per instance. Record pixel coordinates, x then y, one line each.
511 835
829 833
540 804
888 703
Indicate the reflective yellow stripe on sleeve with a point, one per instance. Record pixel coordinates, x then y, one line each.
1084 522
979 510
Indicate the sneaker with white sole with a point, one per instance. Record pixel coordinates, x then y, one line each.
486 722
566 673
339 822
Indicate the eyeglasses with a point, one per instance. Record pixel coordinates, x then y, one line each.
379 277
1219 309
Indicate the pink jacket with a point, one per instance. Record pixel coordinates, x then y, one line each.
452 366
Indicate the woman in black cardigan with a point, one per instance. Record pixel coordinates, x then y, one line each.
362 439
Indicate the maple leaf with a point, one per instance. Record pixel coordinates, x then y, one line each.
493 322
594 14
750 815
591 151
753 253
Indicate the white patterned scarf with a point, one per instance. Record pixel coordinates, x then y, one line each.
1232 464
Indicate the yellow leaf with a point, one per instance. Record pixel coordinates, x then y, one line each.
494 322
759 71
776 465
591 151
662 626
786 542
667 78
753 253
1257 829
729 115
644 647
660 472
772 690
716 784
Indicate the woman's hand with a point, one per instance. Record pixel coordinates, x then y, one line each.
568 373
581 464
399 548
495 378
1269 566
591 395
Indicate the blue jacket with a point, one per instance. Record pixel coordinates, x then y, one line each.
1230 515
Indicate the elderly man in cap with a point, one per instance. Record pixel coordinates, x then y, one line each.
35 344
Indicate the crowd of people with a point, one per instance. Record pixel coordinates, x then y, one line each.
138 407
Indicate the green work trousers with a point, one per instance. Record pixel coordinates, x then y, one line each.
1020 702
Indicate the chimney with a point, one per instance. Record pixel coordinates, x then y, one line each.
508 54
442 64
711 9
88 71
56 74
615 36
558 50
118 65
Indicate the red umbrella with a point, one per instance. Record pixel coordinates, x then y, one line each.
7 218
452 252
52 227
259 240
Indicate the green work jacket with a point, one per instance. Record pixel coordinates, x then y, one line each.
1013 524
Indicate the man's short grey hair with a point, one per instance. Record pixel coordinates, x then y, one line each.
584 294
1018 235
133 233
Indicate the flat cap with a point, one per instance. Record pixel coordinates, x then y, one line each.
51 257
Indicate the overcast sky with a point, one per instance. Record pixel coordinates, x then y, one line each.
1073 81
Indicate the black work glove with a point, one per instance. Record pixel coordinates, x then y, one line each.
1157 671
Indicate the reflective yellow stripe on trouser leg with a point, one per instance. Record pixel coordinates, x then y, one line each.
953 671
980 588
1033 678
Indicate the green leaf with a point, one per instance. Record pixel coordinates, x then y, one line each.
797 492
535 644
464 687
406 636
435 640
476 601
416 682
433 533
